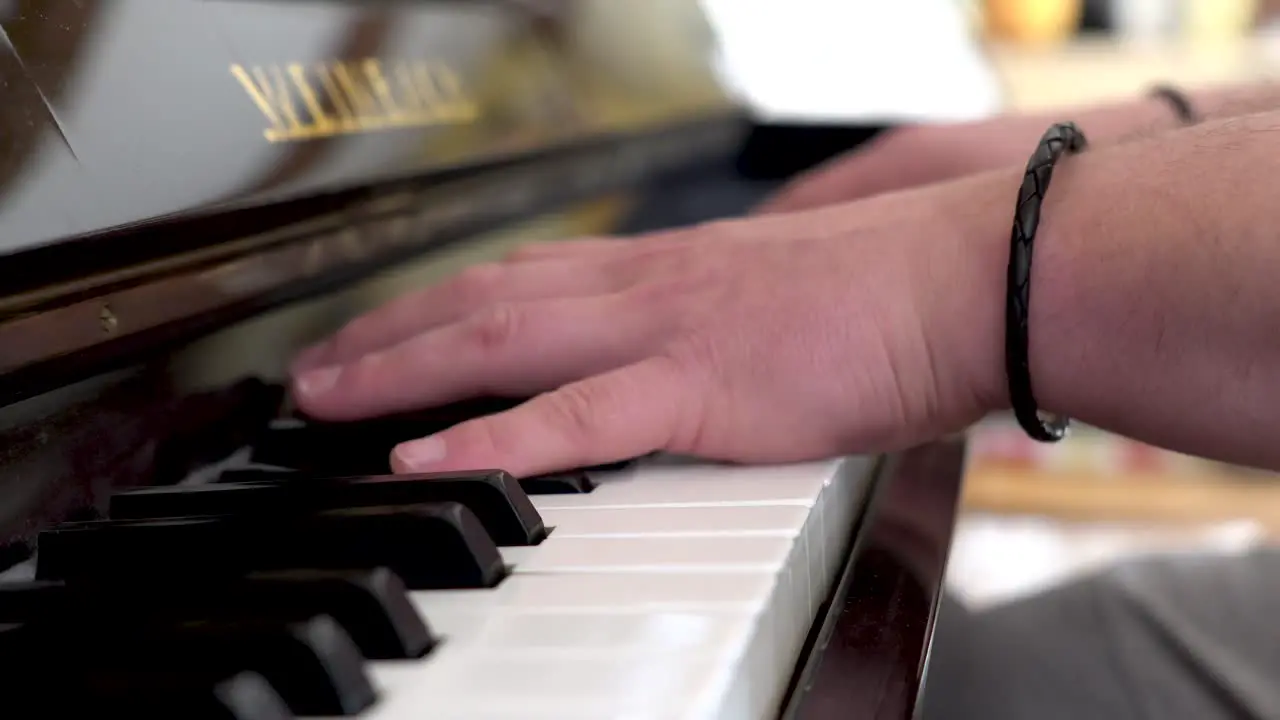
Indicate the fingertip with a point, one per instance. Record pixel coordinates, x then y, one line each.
421 455
313 390
318 382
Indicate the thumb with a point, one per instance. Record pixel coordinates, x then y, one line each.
624 413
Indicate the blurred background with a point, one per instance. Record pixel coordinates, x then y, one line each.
1053 52
1037 514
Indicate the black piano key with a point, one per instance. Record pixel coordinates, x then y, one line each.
207 427
313 665
361 447
258 474
325 449
565 483
146 696
431 419
612 466
495 497
373 607
571 481
440 546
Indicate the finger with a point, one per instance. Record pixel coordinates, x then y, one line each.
624 413
513 349
599 247
851 176
577 247
475 288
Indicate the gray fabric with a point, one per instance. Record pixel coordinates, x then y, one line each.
1173 638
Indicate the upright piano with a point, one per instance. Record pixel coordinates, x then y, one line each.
191 191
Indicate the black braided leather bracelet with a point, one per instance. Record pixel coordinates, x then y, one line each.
1178 101
1057 140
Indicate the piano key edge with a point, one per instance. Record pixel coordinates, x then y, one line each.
893 578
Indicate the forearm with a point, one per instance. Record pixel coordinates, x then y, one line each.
1155 295
921 155
1109 123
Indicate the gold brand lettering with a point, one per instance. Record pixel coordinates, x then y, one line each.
306 102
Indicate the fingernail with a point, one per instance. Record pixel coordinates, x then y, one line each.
308 358
318 382
420 453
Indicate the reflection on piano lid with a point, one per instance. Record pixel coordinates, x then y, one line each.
175 541
129 111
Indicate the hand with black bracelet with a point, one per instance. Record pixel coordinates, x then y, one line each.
1151 308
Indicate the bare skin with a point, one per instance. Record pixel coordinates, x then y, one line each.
859 327
921 154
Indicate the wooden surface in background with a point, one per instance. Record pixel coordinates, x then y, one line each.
1094 476
1143 498
1090 70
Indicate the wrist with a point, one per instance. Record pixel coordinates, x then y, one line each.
1083 320
969 321
1081 183
1116 123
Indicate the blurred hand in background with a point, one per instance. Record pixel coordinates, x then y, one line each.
915 155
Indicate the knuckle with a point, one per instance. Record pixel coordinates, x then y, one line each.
495 327
573 409
674 286
362 375
688 365
692 354
484 437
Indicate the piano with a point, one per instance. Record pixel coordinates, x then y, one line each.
193 190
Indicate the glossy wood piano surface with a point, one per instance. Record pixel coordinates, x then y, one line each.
190 190
124 112
281 146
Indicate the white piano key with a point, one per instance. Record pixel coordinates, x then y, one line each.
475 682
847 497
768 617
751 673
586 633
672 591
657 554
734 520
709 485
517 555
458 613
623 591
662 631
591 629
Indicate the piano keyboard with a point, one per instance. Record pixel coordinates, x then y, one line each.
662 589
